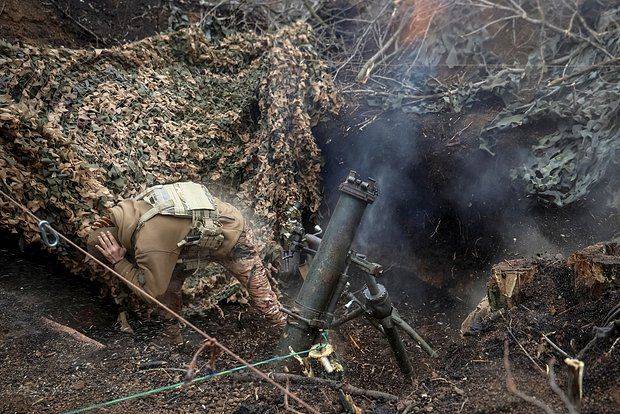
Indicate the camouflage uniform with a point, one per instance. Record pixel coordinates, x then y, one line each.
172 230
244 263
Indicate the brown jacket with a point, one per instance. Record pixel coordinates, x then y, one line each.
156 251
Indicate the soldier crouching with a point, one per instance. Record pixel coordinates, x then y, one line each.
159 237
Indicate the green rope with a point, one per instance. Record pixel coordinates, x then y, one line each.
180 384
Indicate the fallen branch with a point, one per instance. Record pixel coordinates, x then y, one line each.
582 71
511 385
350 389
55 326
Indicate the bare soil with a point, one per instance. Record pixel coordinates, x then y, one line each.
44 371
82 23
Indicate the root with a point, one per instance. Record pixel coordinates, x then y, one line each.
511 385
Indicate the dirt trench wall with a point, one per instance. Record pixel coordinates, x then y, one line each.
80 130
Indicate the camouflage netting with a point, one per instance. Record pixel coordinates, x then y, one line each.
80 130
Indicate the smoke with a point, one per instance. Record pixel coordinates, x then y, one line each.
444 217
380 152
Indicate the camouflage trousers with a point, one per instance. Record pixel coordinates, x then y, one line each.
244 263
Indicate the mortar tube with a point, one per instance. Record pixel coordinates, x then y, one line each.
329 263
331 308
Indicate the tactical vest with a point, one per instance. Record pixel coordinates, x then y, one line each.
189 200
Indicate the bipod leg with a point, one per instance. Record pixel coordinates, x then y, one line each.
398 348
400 322
378 312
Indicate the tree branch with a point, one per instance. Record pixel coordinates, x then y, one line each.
350 389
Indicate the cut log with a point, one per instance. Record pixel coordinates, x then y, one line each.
78 336
505 285
596 268
575 381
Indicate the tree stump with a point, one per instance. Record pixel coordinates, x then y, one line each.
507 280
595 268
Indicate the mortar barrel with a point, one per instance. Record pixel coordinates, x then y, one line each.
329 263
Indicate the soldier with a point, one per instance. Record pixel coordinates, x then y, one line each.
156 238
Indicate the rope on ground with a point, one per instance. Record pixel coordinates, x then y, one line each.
181 319
181 384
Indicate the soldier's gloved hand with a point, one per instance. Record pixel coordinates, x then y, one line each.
109 247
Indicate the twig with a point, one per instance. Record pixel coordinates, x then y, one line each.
557 348
588 28
525 352
436 229
582 71
3 6
350 389
556 388
428 26
75 334
501 19
451 141
512 386
361 39
164 369
363 73
287 406
613 346
525 16
312 12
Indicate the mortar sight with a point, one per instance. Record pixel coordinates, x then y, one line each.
364 190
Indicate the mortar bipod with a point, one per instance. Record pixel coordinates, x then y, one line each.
375 305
